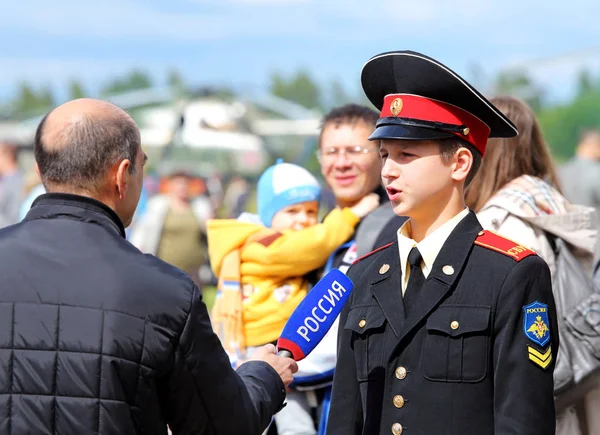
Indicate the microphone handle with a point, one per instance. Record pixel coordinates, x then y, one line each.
285 353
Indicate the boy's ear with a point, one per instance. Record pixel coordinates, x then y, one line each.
461 164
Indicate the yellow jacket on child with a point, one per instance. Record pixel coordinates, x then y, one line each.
264 270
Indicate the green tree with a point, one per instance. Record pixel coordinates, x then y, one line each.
301 88
30 102
133 81
27 99
76 90
338 94
46 99
562 125
175 80
585 83
518 84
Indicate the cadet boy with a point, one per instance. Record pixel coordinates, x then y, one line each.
450 329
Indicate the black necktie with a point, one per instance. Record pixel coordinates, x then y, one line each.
415 279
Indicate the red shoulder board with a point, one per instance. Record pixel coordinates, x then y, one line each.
496 242
372 252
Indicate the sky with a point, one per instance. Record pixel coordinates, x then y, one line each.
240 43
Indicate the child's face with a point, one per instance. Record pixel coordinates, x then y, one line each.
418 183
296 217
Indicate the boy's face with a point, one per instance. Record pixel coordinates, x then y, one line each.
418 183
296 217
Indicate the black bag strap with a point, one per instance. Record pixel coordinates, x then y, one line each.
552 241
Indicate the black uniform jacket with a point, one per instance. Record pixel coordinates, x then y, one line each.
98 338
464 360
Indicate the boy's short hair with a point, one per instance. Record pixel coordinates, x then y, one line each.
348 114
448 148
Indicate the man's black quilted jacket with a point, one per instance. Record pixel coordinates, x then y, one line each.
97 338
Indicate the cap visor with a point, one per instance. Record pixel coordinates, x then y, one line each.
403 132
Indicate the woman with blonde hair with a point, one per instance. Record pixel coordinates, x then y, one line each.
517 194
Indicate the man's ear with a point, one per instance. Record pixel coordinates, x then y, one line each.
461 164
37 170
122 177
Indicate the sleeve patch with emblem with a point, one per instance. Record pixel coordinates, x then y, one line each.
535 323
542 359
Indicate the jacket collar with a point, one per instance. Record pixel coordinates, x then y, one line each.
82 208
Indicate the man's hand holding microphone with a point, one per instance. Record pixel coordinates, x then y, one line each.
285 367
307 325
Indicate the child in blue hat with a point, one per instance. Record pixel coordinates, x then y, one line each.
262 266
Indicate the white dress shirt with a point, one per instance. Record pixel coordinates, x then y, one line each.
429 247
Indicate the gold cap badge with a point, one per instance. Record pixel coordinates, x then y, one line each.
396 106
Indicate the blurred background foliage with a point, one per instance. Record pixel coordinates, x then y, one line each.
562 122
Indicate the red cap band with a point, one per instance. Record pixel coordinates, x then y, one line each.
425 109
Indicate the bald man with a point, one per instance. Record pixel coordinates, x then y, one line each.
96 337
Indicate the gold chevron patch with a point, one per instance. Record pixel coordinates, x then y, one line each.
541 359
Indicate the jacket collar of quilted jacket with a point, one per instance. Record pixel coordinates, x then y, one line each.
67 206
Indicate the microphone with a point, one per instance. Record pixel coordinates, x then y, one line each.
311 320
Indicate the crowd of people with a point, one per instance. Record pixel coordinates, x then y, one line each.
447 210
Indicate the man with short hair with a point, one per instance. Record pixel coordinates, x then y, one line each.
351 167
97 337
449 329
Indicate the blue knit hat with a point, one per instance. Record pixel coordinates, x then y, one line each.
282 185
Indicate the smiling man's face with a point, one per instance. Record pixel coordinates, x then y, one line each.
350 174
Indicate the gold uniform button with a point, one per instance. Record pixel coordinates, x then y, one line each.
362 323
481 233
398 401
448 270
400 372
397 429
454 325
384 268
